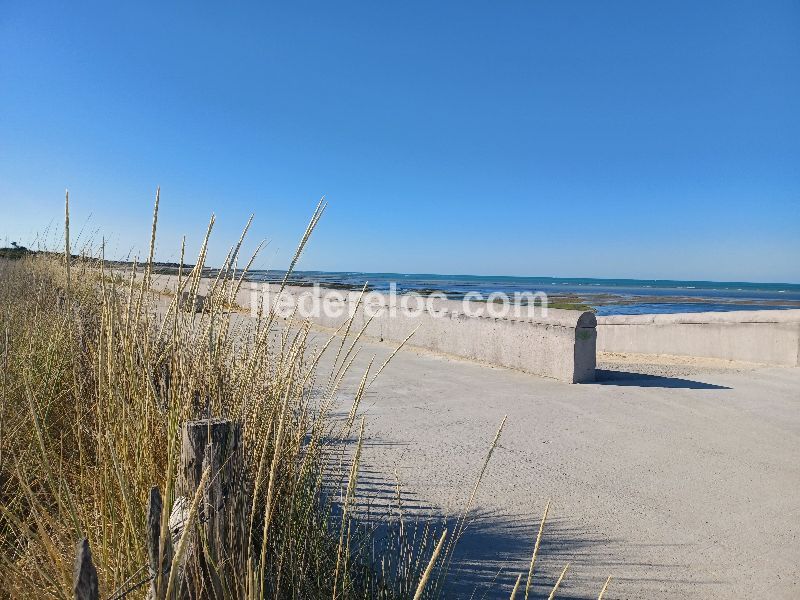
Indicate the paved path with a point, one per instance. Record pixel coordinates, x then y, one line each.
681 481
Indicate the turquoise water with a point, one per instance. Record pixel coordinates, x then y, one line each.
607 296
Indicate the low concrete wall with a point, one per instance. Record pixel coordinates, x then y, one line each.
560 345
764 336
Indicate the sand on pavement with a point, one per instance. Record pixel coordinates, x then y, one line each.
679 478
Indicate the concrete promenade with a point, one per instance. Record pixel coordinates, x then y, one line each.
679 478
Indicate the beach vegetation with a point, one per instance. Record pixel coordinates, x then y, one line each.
13 252
99 375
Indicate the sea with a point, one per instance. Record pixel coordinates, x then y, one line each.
605 296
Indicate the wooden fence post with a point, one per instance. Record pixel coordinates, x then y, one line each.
214 443
84 574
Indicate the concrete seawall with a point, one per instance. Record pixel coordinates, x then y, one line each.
560 345
764 336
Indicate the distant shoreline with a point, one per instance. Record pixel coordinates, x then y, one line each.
603 296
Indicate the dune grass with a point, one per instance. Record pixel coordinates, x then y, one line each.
95 385
94 388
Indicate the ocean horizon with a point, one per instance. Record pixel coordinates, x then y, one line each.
605 296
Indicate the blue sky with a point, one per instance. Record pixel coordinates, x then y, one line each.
613 139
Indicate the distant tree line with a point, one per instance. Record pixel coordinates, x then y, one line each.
14 252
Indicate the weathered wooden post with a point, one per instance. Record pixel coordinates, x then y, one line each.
84 574
160 559
214 443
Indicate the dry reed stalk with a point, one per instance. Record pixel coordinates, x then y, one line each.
349 322
536 550
603 591
149 267
352 481
67 252
429 569
558 583
271 484
516 587
392 355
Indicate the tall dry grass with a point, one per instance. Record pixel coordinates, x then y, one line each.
95 385
98 374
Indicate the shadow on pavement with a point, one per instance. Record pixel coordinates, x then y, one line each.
629 378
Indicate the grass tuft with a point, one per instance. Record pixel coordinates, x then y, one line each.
99 372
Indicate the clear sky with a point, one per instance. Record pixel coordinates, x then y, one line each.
597 139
